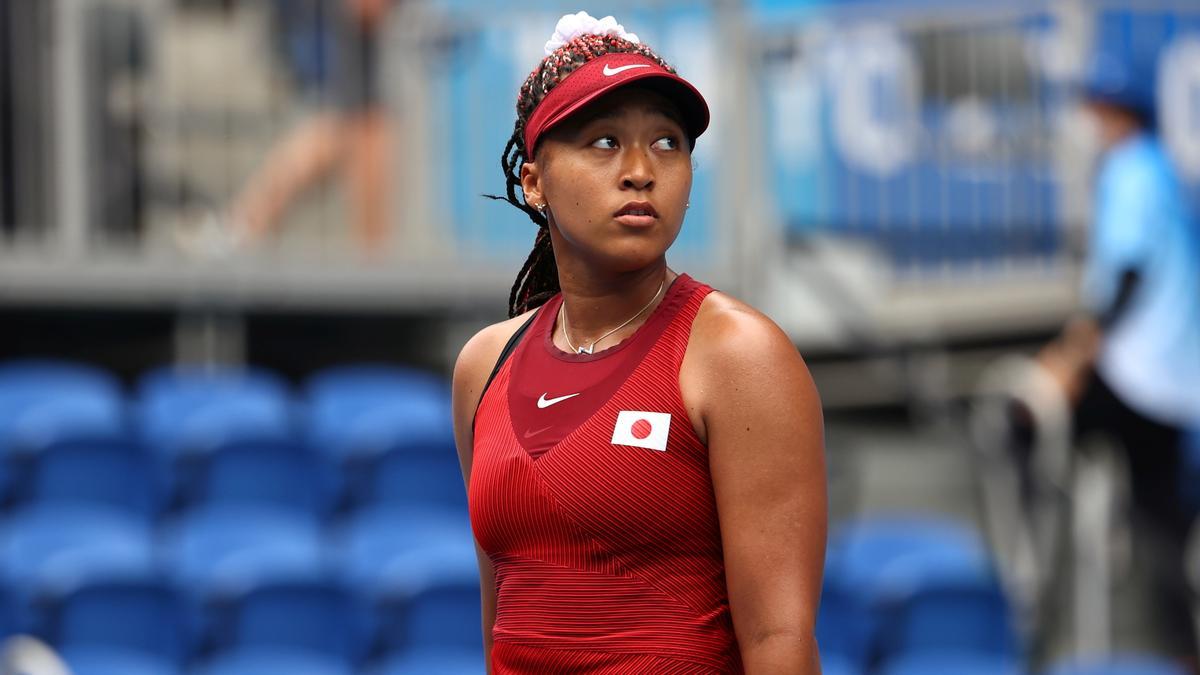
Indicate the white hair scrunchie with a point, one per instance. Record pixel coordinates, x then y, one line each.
571 26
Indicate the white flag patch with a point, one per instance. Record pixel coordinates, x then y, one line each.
642 429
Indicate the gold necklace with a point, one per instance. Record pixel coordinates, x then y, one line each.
588 349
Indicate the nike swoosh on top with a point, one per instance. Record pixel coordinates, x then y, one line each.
535 432
544 402
609 71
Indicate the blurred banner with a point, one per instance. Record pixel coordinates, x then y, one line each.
925 160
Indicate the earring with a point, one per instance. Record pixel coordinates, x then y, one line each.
687 206
541 208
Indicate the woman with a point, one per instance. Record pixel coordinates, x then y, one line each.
643 455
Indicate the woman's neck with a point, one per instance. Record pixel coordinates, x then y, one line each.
595 304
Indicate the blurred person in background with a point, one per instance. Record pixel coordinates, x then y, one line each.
1131 363
644 455
333 49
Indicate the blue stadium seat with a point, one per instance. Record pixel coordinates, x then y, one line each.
57 546
319 617
189 410
865 550
365 409
117 620
219 550
434 603
875 558
951 662
445 613
418 475
456 661
112 473
1120 664
281 474
42 401
937 604
836 664
845 624
260 661
13 614
389 549
106 661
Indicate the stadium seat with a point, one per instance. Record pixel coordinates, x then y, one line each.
187 410
937 604
875 559
437 606
418 475
456 661
42 401
58 546
927 663
445 613
365 409
13 616
392 548
1120 664
118 620
106 661
280 474
219 550
112 473
835 664
845 625
866 550
260 661
318 617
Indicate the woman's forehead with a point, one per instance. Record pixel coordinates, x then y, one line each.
623 102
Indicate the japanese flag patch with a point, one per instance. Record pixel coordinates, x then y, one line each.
642 429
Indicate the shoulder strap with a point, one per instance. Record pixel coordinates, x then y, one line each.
507 351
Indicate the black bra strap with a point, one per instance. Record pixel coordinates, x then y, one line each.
507 352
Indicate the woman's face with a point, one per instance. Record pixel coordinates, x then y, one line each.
616 179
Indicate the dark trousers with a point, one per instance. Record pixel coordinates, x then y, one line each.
1151 448
1161 521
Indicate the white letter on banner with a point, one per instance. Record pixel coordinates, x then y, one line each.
1179 103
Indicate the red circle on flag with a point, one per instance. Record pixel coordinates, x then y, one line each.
641 429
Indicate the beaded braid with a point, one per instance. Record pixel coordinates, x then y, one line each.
537 281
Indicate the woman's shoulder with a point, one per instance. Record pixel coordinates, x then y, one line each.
727 326
734 355
478 356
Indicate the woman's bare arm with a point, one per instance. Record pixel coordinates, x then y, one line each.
755 403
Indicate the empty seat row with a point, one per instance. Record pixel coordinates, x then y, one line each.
122 474
141 625
341 411
360 435
219 550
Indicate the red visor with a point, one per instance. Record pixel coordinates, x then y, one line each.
605 73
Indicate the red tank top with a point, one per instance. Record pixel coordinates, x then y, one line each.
591 495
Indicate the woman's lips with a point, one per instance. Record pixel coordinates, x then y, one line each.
637 214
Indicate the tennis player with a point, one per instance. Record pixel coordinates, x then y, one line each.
644 455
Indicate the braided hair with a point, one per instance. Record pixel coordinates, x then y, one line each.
537 281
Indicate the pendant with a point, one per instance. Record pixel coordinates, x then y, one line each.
586 350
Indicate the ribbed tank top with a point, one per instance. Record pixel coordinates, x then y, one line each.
601 526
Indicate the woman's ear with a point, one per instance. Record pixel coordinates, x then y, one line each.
531 184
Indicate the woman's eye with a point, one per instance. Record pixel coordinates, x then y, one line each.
605 143
666 143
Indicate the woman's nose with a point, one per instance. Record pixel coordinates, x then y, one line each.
636 171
